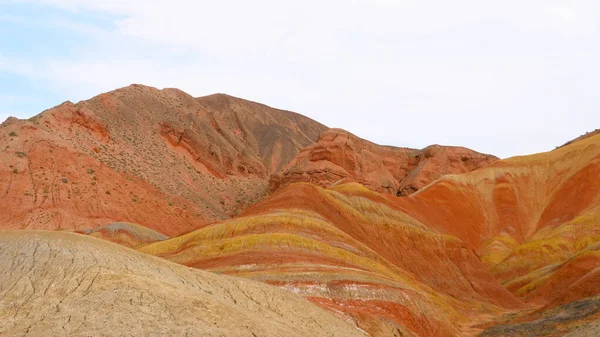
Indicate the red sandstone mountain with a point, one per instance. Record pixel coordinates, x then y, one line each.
159 158
171 162
341 156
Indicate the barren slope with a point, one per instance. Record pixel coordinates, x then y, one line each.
59 284
159 158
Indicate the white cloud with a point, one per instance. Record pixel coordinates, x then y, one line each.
562 13
487 75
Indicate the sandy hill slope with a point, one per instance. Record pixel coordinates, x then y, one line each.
159 158
341 156
62 284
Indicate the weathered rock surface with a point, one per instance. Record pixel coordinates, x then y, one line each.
63 284
341 156
159 158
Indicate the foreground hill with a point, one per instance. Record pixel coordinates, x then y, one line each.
61 284
159 158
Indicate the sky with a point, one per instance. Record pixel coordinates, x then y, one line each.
501 77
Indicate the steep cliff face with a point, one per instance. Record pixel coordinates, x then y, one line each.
341 156
159 158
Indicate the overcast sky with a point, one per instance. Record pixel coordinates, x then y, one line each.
501 77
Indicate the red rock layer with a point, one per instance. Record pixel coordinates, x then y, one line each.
341 156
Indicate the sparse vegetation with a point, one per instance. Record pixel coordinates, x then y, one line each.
15 171
65 180
107 192
21 154
12 134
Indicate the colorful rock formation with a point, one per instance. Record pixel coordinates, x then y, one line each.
348 250
391 241
533 220
528 223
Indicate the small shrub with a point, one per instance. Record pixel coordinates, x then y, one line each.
107 192
21 154
15 171
65 180
12 134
